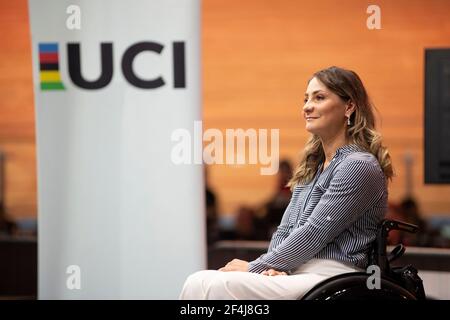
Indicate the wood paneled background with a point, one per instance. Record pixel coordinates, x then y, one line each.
257 56
17 139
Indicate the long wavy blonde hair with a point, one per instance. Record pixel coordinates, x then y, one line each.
348 86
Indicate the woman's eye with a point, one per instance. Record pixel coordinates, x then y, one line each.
305 101
319 97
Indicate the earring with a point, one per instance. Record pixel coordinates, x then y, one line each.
348 122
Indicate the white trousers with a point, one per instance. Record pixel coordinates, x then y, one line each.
217 285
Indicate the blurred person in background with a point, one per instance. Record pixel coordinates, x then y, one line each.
408 211
212 230
7 225
272 210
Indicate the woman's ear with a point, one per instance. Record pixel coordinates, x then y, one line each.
350 108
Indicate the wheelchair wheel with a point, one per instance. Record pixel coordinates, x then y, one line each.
353 286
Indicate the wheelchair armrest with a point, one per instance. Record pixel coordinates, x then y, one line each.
379 255
389 225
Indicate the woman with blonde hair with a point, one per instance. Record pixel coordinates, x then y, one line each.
339 198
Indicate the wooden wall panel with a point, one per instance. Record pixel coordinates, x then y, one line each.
16 110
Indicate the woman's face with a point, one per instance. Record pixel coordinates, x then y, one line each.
324 111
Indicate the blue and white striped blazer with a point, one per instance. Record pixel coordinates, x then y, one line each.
335 216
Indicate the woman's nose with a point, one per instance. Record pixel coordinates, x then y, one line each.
308 107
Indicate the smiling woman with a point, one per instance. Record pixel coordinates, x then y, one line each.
325 111
339 198
325 105
342 113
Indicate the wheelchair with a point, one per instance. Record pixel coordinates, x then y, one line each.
395 283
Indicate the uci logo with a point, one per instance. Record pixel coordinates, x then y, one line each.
50 78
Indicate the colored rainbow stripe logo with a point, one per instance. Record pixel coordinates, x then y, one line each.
49 67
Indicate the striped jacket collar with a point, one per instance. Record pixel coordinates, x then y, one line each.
347 149
340 154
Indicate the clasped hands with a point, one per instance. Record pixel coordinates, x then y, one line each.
241 265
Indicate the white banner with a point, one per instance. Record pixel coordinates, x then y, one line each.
112 80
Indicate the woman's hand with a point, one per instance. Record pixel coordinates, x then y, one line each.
273 272
235 265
